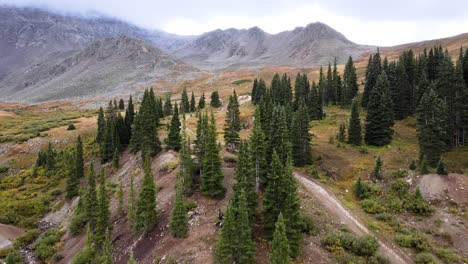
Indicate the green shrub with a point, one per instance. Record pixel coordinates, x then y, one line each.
365 246
400 173
416 241
307 225
361 246
169 166
77 223
71 127
190 205
27 238
86 256
394 204
378 259
13 257
417 205
45 246
425 258
372 206
239 82
448 256
3 169
400 188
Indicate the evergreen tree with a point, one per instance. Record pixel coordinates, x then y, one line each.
300 93
412 165
359 189
215 101
245 179
116 159
279 136
106 254
379 119
354 128
101 130
179 221
212 175
185 104
168 105
374 69
103 217
254 91
315 103
232 124
337 85
350 83
201 102
145 130
423 169
173 138
121 104
301 137
377 173
279 245
330 91
261 90
78 171
132 200
441 170
146 214
193 104
91 198
236 245
432 126
258 148
200 141
129 117
72 188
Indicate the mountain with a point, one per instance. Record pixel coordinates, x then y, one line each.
45 56
312 45
103 68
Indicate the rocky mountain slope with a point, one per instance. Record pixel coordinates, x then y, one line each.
312 45
103 68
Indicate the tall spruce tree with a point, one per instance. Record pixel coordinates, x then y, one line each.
173 138
232 124
379 119
236 245
374 69
103 216
146 214
377 173
79 162
91 198
432 128
350 84
132 203
168 105
258 148
212 176
201 102
185 103
186 164
279 135
179 221
315 103
215 101
245 179
254 91
121 104
101 130
301 149
354 127
279 245
193 103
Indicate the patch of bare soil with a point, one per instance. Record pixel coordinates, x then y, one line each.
8 234
450 188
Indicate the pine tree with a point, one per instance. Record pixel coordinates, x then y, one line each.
301 137
432 127
185 104
215 101
101 130
412 165
116 159
374 69
359 188
342 133
193 104
279 136
103 224
173 138
245 179
354 128
254 92
200 141
232 124
146 214
315 103
258 148
168 105
423 169
132 200
279 245
91 198
377 171
179 221
212 176
379 119
350 83
236 245
300 94
121 104
72 188
129 117
201 102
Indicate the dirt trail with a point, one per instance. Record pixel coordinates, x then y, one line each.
332 204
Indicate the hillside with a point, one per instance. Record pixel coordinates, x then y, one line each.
104 68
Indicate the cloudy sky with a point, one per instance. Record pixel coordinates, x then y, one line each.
373 22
